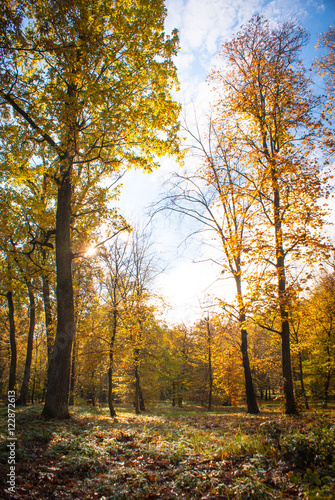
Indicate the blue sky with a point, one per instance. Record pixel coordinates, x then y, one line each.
203 26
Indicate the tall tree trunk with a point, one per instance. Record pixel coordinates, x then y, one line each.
249 386
328 376
12 340
111 363
73 373
23 398
173 393
139 399
110 386
210 369
35 375
252 406
137 391
48 316
290 406
56 400
301 377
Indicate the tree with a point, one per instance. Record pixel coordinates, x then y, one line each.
265 350
296 314
12 337
137 307
117 262
203 349
87 87
23 397
210 368
320 336
325 66
214 196
266 99
26 216
180 361
227 360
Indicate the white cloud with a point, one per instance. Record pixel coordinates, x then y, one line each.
205 24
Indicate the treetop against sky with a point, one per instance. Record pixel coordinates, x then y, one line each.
203 28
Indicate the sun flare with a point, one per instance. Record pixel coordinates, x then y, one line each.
91 251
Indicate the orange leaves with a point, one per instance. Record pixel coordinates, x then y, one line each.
261 82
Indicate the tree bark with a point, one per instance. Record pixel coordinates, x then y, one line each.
301 376
173 393
56 401
249 386
110 388
252 406
137 392
328 376
12 340
210 369
23 398
110 385
35 375
290 406
139 399
48 316
73 373
111 361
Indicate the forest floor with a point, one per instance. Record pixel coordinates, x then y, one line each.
171 454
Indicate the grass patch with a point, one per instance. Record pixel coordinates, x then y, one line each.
172 453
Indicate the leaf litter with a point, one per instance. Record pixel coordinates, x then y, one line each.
193 455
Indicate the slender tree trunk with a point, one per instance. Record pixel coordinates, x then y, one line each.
173 393
249 386
110 387
327 383
56 400
35 375
269 389
48 316
139 400
252 406
12 340
210 369
111 363
137 392
23 398
141 397
33 390
73 372
290 406
301 376
93 389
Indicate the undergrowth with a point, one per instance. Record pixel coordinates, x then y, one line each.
171 454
